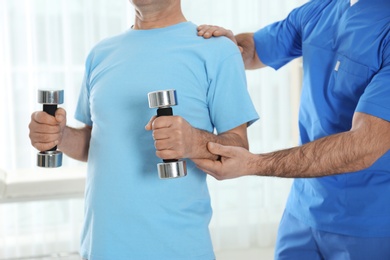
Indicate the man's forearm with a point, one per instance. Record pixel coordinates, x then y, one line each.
231 138
75 142
249 54
340 153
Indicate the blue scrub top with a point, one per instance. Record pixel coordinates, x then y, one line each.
346 63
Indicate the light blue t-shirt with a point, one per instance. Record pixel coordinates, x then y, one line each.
129 212
346 63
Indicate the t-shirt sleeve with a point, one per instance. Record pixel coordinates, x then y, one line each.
228 99
83 112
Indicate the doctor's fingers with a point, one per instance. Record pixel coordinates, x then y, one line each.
207 31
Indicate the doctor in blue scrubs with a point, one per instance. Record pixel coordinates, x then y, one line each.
339 204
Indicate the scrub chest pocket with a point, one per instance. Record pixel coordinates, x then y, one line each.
349 79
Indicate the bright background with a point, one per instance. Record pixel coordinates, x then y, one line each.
43 43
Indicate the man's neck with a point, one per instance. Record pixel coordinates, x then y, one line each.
145 24
151 18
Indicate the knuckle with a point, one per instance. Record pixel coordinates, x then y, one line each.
180 144
160 155
40 117
40 147
158 145
30 126
158 122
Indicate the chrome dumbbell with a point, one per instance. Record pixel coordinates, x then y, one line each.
163 100
50 99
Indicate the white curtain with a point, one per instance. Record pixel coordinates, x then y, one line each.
43 43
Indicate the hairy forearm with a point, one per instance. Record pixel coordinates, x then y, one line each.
340 153
75 142
201 138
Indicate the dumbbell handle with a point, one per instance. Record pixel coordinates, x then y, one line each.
166 111
51 110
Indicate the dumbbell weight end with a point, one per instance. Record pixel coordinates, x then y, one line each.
168 170
49 159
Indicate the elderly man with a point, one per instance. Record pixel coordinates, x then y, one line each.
129 212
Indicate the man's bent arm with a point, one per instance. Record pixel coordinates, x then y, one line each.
175 138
